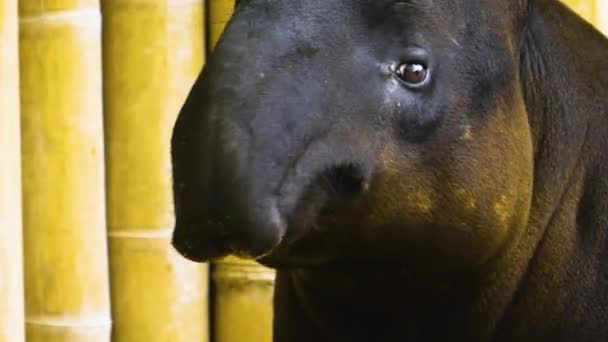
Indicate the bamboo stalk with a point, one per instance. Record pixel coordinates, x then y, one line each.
11 263
66 271
220 12
601 16
243 301
586 8
153 51
243 290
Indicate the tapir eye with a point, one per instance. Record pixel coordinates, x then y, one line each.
412 73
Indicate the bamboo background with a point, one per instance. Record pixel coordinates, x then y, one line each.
11 273
89 91
153 51
64 225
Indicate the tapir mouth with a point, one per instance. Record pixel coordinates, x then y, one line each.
281 221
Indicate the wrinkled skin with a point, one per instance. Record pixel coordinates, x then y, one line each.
471 207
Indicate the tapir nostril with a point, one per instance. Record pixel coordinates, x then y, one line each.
342 183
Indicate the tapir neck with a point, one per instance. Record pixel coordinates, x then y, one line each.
564 79
565 82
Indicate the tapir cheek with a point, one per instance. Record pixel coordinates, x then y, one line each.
455 204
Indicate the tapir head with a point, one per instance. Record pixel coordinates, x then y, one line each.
328 130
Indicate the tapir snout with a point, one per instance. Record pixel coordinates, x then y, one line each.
251 142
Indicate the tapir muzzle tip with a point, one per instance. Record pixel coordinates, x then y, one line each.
197 249
203 243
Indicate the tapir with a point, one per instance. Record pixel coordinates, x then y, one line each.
414 170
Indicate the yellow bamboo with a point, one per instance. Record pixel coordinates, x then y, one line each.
219 13
586 8
66 270
601 15
11 265
242 301
153 51
243 290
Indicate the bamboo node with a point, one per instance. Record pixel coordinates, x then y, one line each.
97 321
140 233
85 16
